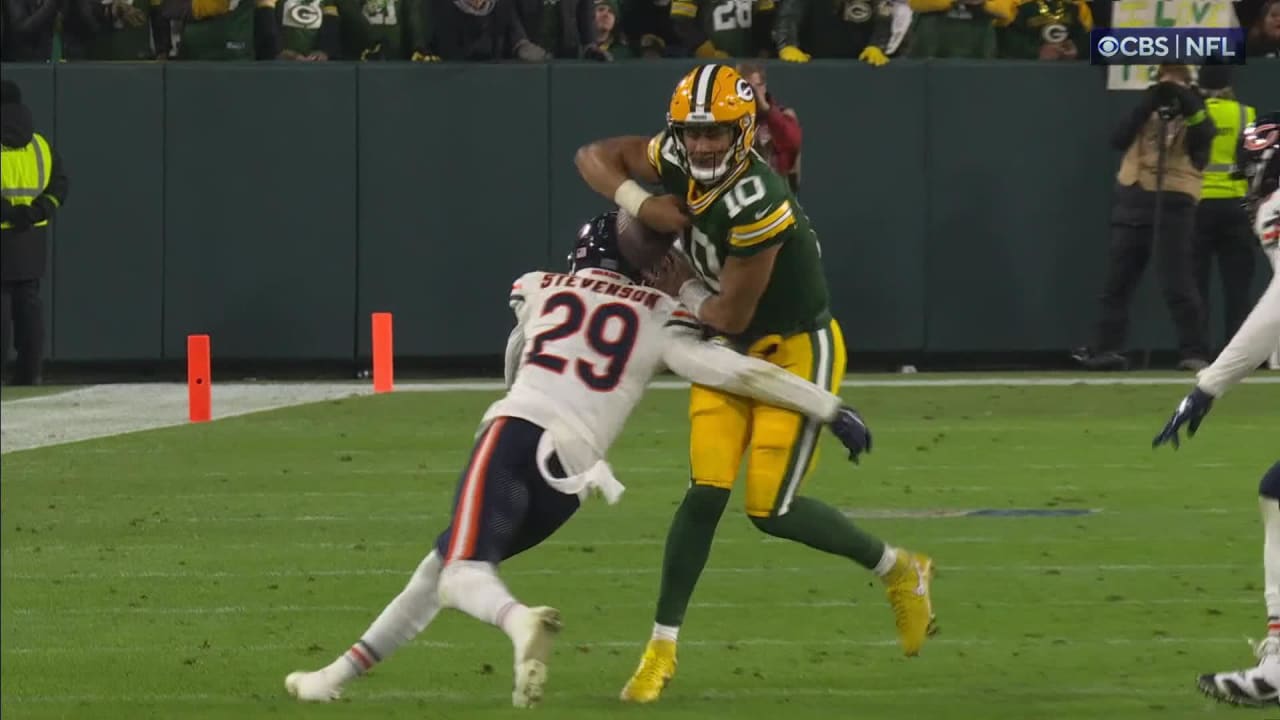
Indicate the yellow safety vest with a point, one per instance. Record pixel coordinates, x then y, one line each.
24 173
1231 118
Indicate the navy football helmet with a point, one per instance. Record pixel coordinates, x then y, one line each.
1260 155
597 246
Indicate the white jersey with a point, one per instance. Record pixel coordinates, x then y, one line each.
586 345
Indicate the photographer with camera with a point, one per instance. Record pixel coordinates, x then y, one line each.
1166 146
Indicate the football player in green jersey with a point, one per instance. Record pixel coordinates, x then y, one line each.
754 276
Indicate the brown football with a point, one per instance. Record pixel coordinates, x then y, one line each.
641 246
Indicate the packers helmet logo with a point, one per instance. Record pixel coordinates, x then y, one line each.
856 11
1261 137
745 91
1054 33
302 14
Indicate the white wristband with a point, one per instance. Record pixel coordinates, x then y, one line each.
630 196
692 294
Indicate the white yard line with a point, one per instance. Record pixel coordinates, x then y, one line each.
106 410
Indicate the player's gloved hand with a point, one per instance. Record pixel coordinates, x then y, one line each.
371 53
873 55
852 431
419 56
707 50
791 53
1190 412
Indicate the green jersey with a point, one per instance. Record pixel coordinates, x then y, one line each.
1040 22
753 209
300 22
727 23
396 25
228 36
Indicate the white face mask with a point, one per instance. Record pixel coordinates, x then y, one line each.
707 175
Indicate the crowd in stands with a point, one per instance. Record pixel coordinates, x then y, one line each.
873 31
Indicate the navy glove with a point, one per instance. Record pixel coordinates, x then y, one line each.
1190 412
852 431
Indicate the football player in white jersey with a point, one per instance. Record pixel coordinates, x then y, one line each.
1260 148
585 346
1257 337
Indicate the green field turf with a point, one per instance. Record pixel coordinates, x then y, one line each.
182 573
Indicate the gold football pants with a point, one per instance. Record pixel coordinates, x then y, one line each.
780 446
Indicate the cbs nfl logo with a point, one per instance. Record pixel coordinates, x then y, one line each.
1153 46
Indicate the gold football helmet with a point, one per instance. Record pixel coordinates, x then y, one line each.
712 117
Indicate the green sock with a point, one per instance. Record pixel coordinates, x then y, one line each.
688 547
824 528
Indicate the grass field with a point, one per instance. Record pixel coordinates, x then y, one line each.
181 573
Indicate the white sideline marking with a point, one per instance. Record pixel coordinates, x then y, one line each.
107 410
637 572
806 605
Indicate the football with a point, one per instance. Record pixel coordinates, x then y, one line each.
641 246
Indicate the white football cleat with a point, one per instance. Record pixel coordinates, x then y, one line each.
1255 687
533 640
312 686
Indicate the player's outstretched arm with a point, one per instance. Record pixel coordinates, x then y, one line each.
612 167
714 366
1250 346
742 283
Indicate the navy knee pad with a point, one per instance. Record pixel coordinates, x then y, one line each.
1270 485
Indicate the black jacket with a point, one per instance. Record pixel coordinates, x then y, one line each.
29 27
24 249
473 36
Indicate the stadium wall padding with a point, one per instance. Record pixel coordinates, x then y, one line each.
961 206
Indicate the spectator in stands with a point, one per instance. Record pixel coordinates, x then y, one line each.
310 30
724 28
389 30
642 18
957 28
844 29
33 185
1045 30
481 30
608 45
130 30
560 26
29 27
778 133
652 47
1166 144
1264 37
222 30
